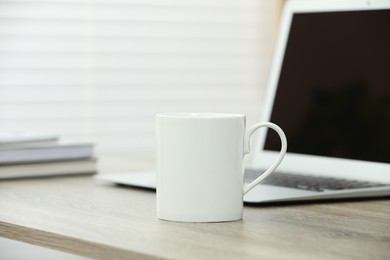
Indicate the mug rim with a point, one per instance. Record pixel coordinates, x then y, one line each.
200 115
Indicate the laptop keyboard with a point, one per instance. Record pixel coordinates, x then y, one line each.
312 183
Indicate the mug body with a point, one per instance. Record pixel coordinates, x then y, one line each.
200 167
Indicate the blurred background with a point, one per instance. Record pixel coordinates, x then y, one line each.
100 70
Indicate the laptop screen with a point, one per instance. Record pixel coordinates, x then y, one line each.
333 94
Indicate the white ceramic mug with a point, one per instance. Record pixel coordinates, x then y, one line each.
200 166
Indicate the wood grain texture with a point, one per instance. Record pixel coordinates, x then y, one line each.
79 215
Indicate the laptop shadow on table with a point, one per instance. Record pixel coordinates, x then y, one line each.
315 202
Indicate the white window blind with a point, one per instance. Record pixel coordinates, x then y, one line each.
100 70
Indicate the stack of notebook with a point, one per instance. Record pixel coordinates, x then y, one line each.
35 155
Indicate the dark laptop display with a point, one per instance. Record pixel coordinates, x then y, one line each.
333 94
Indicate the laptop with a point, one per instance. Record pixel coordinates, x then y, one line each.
329 89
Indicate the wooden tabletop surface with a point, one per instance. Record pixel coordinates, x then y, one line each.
82 216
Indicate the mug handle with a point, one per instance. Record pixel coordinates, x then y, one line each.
279 159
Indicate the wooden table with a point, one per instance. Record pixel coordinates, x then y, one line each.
79 215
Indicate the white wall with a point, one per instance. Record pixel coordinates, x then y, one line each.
100 70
